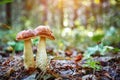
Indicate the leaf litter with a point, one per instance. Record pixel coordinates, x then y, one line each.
11 68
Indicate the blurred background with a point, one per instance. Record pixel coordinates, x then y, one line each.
76 24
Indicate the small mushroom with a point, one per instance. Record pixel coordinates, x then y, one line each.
41 56
26 35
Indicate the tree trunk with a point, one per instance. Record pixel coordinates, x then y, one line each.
76 4
44 16
94 14
8 14
61 13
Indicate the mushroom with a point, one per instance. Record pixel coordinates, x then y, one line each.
26 35
41 56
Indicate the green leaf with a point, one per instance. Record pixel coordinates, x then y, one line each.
19 46
111 32
11 43
35 41
5 1
97 38
116 49
101 48
92 64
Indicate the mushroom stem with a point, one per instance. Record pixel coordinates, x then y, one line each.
41 57
28 55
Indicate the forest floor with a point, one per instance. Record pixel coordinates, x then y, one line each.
67 67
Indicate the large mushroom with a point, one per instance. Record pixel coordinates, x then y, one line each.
41 56
26 35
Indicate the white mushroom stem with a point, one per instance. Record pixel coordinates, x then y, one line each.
28 55
41 57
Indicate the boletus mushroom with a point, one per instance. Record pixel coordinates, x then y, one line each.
41 56
26 35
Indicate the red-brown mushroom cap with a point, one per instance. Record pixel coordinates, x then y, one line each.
44 31
25 34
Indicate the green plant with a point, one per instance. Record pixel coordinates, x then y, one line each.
13 46
35 41
17 46
101 48
91 63
11 43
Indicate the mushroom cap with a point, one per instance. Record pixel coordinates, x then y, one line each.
44 31
25 34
